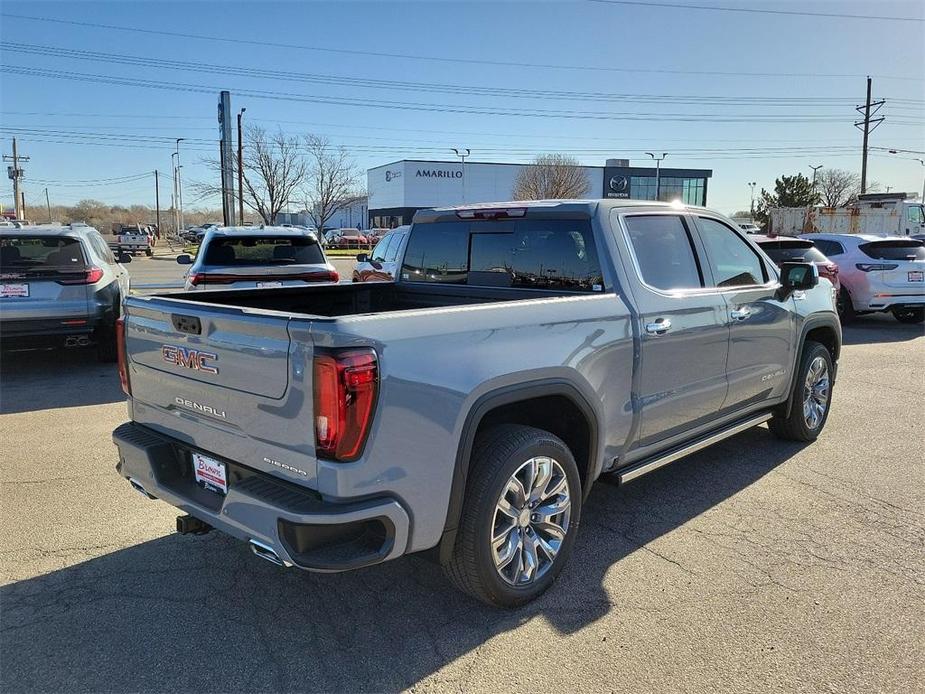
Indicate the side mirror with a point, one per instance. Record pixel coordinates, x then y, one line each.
362 258
797 277
184 259
125 257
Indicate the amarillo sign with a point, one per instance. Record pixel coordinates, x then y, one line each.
437 173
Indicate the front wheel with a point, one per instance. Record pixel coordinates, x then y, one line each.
811 399
520 516
909 315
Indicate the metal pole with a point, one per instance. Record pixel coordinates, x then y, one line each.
48 205
240 170
17 201
176 209
179 180
866 135
658 182
922 199
752 185
815 169
463 158
157 201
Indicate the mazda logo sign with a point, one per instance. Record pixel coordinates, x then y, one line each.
619 184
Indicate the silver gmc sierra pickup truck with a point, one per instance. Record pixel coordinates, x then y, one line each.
524 350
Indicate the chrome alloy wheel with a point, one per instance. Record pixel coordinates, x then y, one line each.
816 392
531 521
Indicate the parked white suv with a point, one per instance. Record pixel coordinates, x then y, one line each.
877 274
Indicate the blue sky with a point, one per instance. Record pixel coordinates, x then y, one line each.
761 66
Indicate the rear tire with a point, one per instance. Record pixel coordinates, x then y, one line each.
811 399
844 306
909 315
519 518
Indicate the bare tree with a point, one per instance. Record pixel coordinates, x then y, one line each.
331 180
837 187
551 176
274 170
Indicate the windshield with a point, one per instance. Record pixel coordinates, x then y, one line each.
264 250
41 252
894 250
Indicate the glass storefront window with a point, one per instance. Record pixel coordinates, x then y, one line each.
688 190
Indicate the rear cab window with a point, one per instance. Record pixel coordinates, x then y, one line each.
899 249
546 254
263 251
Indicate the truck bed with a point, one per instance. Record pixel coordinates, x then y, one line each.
341 300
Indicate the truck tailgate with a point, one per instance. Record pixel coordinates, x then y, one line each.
224 380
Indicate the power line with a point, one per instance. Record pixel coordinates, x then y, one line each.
754 10
238 41
427 87
427 107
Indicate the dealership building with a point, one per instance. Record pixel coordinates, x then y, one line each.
397 190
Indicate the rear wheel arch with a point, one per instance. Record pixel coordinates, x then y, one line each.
554 405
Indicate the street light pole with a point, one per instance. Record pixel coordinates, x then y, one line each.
658 182
920 161
240 171
173 197
179 181
752 185
462 154
815 169
48 205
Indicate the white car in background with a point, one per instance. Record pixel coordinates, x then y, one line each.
257 258
877 274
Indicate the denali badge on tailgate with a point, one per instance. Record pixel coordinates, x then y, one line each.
190 358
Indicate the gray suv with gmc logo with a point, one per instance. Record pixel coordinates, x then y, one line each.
524 350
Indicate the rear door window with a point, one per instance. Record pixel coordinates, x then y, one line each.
522 253
664 251
894 250
733 262
829 248
263 251
392 251
381 251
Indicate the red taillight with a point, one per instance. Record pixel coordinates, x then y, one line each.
120 353
198 278
323 276
492 212
91 275
346 385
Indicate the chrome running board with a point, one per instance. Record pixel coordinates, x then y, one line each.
647 466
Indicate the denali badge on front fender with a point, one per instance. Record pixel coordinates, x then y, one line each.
190 358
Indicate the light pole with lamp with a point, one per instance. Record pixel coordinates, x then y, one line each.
462 154
179 182
815 169
173 196
751 208
240 171
658 161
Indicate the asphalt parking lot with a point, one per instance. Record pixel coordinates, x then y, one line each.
754 565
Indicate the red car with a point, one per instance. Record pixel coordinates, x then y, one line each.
783 249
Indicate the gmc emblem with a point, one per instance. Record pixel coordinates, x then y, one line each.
190 358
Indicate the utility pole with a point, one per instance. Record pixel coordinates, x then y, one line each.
815 169
48 205
868 109
658 161
179 182
751 208
240 170
462 154
16 174
157 202
176 208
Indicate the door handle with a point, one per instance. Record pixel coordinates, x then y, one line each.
659 327
740 313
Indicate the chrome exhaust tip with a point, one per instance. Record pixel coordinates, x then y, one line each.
266 552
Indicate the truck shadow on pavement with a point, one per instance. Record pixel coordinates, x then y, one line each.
33 380
185 613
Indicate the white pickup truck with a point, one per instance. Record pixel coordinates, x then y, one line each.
131 238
